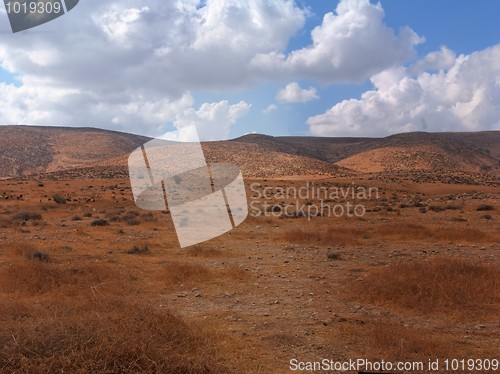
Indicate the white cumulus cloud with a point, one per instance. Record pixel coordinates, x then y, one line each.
212 120
351 44
271 108
293 93
132 65
463 95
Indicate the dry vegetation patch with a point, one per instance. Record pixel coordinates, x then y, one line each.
330 236
37 277
202 251
104 339
380 339
402 231
412 231
446 285
83 316
180 272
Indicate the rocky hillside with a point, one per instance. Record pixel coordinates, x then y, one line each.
28 150
70 152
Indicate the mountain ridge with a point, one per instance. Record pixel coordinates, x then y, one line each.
27 151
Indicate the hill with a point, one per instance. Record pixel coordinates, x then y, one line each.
74 152
29 150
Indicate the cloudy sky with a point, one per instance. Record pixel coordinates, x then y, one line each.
278 67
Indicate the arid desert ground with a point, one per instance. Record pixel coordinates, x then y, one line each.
91 283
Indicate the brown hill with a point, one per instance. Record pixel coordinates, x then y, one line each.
434 152
74 152
269 158
28 150
88 152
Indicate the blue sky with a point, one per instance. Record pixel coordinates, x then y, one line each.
462 26
371 69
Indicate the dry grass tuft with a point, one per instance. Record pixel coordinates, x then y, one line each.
485 207
139 250
105 338
201 251
38 277
178 272
184 272
26 216
444 285
25 251
88 317
380 339
332 236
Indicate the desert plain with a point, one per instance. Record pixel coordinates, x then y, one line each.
91 283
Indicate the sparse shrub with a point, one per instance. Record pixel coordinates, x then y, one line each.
138 250
423 210
132 221
59 199
87 215
485 207
38 256
149 217
100 222
487 216
30 253
274 209
27 216
113 217
131 217
76 218
331 255
436 208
